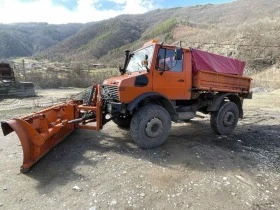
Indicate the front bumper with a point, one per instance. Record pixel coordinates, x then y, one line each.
116 107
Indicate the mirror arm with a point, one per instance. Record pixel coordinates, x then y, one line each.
148 70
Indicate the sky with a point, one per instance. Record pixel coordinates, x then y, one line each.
82 11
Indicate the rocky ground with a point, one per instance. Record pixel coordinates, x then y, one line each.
194 169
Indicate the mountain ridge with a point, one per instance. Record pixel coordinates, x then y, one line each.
242 22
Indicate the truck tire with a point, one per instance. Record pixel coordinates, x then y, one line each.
150 126
123 121
224 120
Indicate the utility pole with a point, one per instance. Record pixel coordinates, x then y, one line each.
23 68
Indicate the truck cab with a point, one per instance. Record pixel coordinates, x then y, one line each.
154 68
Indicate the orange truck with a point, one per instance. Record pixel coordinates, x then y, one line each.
157 85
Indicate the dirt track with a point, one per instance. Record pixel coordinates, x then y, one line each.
194 169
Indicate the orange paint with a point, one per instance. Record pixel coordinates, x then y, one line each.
40 132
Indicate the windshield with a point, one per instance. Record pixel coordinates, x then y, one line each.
135 63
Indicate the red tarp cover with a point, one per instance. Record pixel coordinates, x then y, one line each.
208 61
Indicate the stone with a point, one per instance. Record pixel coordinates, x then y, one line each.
77 188
113 202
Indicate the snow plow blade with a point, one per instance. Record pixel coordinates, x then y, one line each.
43 130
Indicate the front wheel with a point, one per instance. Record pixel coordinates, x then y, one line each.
150 126
224 120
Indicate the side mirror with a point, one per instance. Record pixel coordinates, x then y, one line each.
145 61
178 54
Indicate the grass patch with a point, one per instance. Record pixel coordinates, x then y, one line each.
81 78
163 28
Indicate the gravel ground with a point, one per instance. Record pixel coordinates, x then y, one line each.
194 169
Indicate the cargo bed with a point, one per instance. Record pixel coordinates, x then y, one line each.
220 82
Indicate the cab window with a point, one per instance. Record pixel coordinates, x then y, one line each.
166 61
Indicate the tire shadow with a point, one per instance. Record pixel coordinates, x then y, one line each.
190 146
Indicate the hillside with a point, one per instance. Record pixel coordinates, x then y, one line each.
246 29
26 39
97 40
241 29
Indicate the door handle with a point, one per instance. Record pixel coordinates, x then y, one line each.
181 80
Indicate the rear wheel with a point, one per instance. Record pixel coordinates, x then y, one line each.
150 126
225 119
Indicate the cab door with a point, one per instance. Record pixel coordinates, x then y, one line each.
169 75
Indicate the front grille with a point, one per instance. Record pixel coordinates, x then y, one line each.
110 92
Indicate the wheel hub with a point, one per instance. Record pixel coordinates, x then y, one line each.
229 119
154 128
